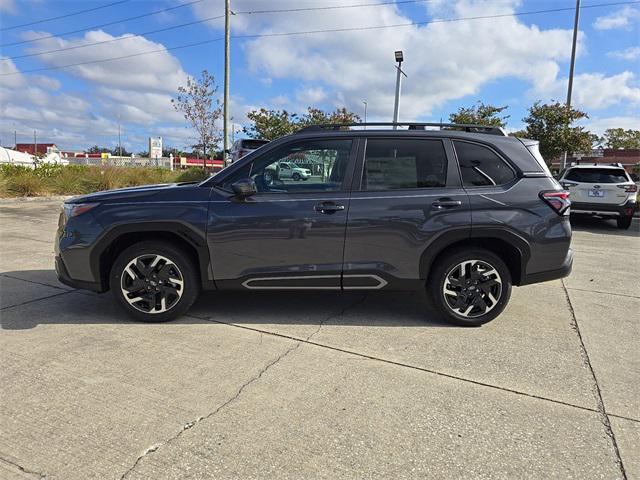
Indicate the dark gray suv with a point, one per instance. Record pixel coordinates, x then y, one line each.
464 211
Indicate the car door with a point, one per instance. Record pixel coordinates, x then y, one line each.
289 235
407 196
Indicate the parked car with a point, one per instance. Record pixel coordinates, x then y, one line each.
244 146
288 170
465 212
603 190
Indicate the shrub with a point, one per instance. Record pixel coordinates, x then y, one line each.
16 180
25 184
191 174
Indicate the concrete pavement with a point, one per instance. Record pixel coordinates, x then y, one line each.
302 385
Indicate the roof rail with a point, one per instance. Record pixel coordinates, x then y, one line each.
472 128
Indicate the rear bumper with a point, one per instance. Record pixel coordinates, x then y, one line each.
603 209
63 276
547 275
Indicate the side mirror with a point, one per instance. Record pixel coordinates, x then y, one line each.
244 188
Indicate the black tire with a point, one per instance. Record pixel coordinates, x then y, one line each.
179 298
296 176
624 222
492 283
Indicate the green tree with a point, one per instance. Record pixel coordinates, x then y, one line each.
620 138
270 124
97 149
552 125
197 102
115 151
481 114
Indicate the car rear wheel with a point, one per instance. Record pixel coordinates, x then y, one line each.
624 222
470 287
154 281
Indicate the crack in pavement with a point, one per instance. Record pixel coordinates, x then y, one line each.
36 300
604 293
23 469
407 365
193 423
604 417
35 283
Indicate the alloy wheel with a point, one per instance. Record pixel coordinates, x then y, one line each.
152 283
472 288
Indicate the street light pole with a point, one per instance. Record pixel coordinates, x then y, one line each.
396 108
119 143
227 28
365 112
576 21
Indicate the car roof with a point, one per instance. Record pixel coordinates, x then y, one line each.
596 165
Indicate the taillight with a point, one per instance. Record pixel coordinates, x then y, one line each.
558 200
629 188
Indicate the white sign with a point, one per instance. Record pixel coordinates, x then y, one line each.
155 147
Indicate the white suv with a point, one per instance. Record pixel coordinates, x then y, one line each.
292 171
604 190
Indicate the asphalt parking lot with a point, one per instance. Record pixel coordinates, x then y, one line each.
306 386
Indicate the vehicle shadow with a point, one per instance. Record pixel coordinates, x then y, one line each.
584 223
379 309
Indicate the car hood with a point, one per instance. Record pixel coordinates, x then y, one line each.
132 193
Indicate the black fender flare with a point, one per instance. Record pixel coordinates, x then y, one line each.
196 239
451 237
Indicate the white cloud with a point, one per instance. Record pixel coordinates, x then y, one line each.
8 6
158 71
444 61
599 125
593 91
631 53
625 17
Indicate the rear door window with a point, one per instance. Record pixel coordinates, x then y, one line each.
404 163
481 167
597 175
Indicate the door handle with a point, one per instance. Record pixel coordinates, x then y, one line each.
328 207
446 203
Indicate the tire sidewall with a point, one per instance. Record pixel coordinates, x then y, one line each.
438 277
176 255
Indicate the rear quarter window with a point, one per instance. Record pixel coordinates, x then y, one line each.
481 167
597 175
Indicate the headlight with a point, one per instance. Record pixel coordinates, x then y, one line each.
74 209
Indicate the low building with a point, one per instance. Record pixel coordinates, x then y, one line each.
629 159
37 148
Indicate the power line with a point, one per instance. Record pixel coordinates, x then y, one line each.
118 39
196 22
115 22
66 15
334 30
330 7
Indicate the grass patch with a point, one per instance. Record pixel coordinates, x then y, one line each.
19 181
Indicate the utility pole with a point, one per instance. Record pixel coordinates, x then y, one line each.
365 112
396 108
227 29
15 138
576 21
35 144
119 144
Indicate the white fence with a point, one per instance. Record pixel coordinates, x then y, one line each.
164 162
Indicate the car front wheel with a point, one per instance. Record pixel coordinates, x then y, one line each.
470 287
154 281
296 177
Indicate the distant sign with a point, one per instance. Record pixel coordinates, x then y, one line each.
155 147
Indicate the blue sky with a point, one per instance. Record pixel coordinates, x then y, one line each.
507 60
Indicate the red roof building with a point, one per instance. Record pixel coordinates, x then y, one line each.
30 148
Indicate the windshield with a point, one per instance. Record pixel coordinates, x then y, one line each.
597 175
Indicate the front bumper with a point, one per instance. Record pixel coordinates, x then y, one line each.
63 276
547 275
624 210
